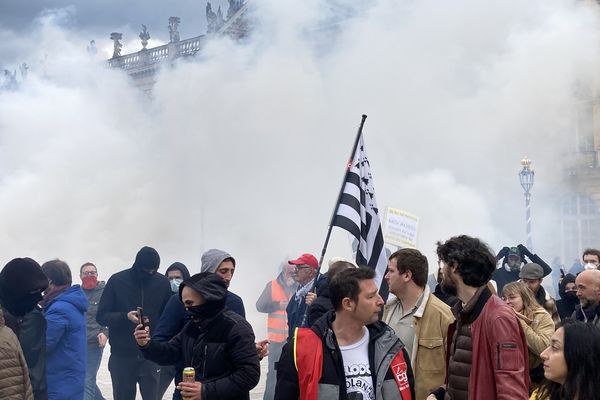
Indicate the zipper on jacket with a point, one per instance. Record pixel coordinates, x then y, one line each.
497 355
204 362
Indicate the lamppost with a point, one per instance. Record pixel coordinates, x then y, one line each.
526 176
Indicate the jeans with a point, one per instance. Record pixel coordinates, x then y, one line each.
94 356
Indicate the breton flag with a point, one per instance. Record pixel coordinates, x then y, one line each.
357 212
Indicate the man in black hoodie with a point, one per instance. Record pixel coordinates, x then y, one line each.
216 342
138 286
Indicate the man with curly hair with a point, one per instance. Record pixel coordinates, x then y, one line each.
488 353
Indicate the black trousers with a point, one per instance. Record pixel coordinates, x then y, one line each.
167 373
126 372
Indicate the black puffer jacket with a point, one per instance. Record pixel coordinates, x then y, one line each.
322 303
221 348
124 292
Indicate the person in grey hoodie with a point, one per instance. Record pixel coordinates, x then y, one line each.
223 264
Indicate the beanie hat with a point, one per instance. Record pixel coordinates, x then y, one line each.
213 258
147 258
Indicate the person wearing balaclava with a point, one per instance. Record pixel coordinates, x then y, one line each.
138 286
174 317
216 342
21 285
568 297
170 323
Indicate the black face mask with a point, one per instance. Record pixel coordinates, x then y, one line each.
143 275
571 296
23 305
203 312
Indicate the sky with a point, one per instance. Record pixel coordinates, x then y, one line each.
244 148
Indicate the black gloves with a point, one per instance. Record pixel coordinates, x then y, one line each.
524 251
503 253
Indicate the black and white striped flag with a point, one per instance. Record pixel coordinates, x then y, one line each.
357 212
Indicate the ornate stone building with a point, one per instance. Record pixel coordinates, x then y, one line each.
143 65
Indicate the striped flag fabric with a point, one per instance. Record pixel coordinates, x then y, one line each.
358 214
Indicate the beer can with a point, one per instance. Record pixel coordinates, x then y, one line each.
189 374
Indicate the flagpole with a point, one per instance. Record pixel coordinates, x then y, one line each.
337 204
339 198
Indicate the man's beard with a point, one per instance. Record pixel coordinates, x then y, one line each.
516 266
448 286
588 304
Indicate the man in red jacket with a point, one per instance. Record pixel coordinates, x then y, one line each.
488 352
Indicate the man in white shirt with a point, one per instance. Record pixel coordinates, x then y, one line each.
374 361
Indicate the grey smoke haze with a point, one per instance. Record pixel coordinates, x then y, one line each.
245 150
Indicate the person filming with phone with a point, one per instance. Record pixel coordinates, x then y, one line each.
125 291
216 342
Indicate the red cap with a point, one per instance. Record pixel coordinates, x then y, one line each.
305 259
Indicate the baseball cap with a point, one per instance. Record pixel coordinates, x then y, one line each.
514 251
531 271
305 259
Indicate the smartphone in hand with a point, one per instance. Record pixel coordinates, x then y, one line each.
143 319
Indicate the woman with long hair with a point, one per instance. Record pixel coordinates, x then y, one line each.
571 363
536 322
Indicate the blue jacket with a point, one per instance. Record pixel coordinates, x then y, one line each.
295 310
66 345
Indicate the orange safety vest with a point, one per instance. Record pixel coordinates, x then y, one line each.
277 327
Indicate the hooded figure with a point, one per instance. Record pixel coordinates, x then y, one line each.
568 298
216 342
176 282
21 285
138 286
211 261
213 258
146 263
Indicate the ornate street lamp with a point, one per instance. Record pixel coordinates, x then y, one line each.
526 176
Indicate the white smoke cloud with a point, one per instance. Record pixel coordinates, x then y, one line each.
244 148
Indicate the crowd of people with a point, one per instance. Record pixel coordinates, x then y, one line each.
483 328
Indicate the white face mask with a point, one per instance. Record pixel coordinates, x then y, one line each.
589 266
175 282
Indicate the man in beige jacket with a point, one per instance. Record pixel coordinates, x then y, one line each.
420 319
14 375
